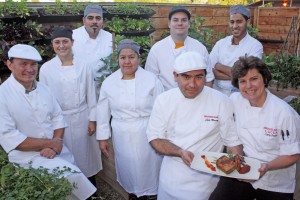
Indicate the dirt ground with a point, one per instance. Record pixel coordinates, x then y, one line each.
105 192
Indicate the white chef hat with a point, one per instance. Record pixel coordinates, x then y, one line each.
189 61
24 51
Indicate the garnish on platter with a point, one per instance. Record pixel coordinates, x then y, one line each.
228 164
208 164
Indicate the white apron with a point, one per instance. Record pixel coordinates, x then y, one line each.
130 102
73 86
132 155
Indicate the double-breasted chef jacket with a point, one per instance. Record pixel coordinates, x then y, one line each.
74 88
225 53
204 123
92 50
162 55
36 114
130 102
266 133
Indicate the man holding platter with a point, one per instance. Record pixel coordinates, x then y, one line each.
190 118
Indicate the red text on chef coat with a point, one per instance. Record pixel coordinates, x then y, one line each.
273 132
209 118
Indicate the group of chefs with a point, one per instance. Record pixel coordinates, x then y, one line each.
184 101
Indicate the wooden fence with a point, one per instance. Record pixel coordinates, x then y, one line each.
273 23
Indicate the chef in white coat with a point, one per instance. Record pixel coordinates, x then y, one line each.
128 95
188 119
91 42
162 54
269 130
227 50
71 81
32 124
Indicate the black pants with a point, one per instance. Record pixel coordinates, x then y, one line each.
233 189
92 179
149 197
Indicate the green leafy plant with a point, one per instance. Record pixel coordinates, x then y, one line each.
253 31
129 8
295 103
20 31
119 25
116 25
206 36
19 183
284 69
15 8
110 66
61 8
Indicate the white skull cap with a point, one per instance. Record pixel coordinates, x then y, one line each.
24 51
189 61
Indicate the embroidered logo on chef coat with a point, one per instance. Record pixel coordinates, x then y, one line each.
211 118
272 132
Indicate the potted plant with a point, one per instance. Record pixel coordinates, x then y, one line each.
285 71
131 10
53 13
12 11
20 183
130 26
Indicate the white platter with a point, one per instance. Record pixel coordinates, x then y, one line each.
199 164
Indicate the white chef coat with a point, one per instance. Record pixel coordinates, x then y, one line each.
36 114
162 56
130 102
74 88
92 50
204 123
227 54
259 129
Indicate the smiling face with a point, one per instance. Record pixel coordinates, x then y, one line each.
190 83
252 87
23 70
62 46
93 23
179 24
128 62
238 26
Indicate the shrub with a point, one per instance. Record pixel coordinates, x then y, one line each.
18 183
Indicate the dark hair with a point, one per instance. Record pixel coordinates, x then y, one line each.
244 64
245 17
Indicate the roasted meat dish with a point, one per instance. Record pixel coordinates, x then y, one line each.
228 164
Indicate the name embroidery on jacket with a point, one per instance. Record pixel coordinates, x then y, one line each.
209 118
272 132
